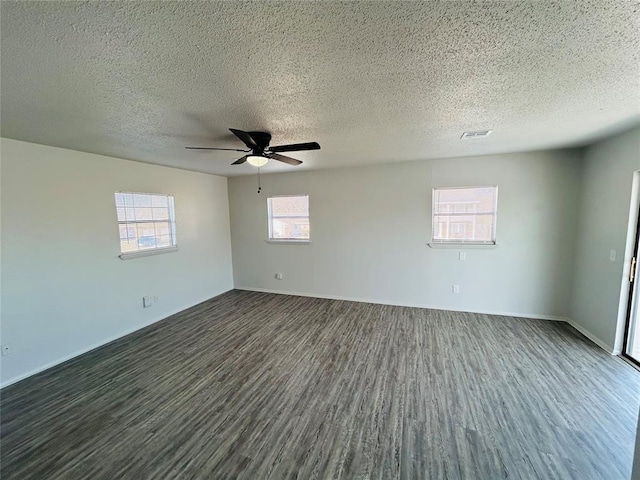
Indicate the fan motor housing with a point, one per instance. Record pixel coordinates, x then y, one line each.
262 139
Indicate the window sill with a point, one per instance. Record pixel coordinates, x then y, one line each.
459 246
146 253
288 241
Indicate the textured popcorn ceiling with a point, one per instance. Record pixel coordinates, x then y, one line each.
372 82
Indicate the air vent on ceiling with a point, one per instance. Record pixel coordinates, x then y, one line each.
476 134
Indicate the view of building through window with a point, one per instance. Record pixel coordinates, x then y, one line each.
146 221
289 217
465 215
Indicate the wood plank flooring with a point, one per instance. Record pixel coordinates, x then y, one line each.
260 386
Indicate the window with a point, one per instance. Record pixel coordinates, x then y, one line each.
465 215
146 222
289 218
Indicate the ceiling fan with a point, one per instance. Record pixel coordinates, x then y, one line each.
260 152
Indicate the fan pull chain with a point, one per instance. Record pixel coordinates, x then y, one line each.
259 187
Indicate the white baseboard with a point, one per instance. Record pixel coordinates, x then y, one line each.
592 337
535 316
102 343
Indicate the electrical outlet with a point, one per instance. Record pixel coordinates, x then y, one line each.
455 288
278 276
147 301
462 256
6 349
613 255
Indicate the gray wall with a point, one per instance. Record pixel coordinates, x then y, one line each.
64 289
370 227
604 222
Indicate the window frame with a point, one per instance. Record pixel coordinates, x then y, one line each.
291 241
171 221
457 243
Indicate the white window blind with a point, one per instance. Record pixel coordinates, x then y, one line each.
289 217
465 215
146 221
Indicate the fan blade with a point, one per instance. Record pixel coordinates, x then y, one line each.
245 137
282 158
213 148
296 147
240 160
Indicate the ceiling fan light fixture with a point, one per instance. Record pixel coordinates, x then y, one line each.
258 144
257 160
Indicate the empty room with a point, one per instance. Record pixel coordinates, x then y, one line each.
320 240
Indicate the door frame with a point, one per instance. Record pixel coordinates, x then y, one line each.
632 293
632 279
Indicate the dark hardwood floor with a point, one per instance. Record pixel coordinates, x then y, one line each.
261 386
